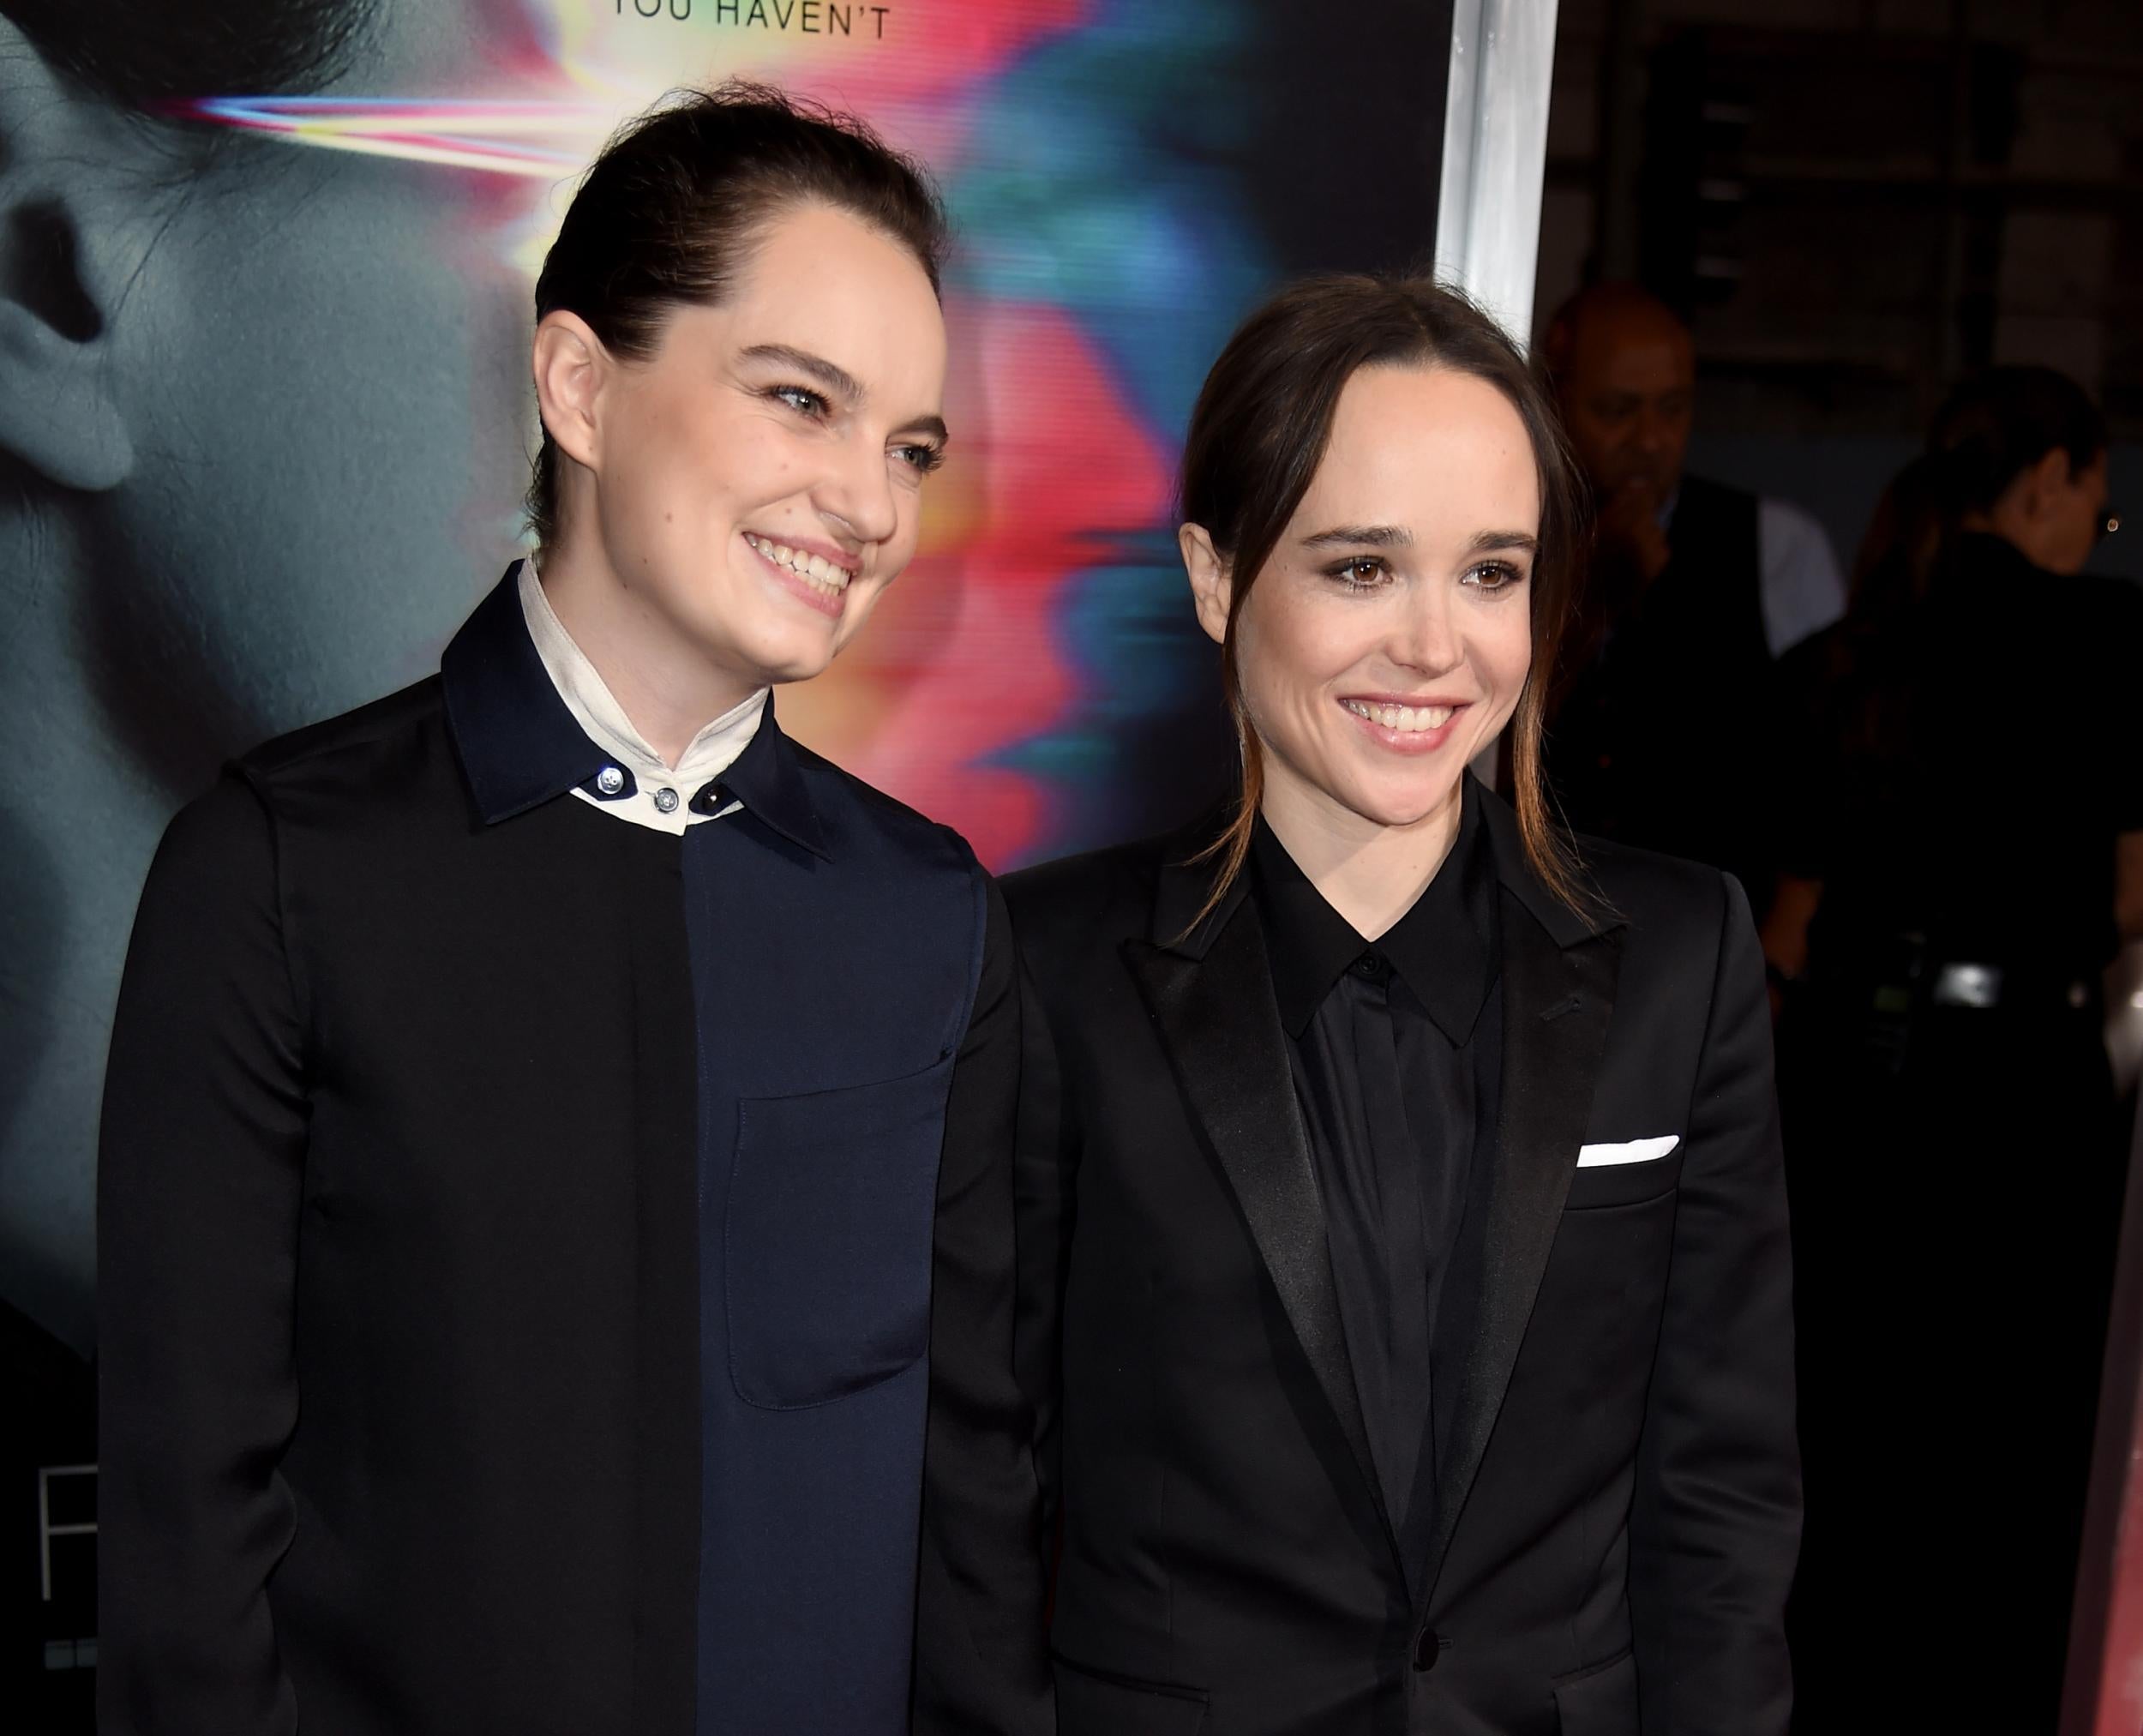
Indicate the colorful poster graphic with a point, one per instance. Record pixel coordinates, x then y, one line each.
266 417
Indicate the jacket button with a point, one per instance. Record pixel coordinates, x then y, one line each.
1425 1645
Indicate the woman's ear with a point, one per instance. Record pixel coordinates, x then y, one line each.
1211 591
2047 481
78 216
572 366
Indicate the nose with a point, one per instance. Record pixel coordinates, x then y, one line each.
857 497
1425 637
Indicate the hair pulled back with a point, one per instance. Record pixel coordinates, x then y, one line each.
1992 428
1258 433
668 215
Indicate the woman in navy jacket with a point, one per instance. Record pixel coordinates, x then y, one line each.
555 1169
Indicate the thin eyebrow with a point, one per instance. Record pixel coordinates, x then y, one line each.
831 374
839 382
1355 535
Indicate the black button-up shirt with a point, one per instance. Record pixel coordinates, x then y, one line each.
1397 1055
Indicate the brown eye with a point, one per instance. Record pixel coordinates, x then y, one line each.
1494 576
1358 573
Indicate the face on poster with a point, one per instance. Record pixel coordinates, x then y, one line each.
272 415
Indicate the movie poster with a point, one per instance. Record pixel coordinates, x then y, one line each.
266 424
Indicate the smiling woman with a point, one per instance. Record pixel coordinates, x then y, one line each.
741 377
555 1172
1399 1187
1294 435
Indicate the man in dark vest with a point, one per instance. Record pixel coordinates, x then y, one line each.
1660 707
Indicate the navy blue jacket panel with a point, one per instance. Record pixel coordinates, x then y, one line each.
833 981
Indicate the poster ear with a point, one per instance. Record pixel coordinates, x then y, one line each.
63 235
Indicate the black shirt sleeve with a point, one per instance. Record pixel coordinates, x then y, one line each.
200 1167
981 1661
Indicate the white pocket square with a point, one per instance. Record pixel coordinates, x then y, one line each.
1628 1151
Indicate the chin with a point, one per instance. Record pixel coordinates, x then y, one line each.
1408 806
784 657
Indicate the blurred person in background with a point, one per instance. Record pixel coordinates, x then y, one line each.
1962 836
1694 589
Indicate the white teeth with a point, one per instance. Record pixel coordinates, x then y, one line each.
1406 720
815 568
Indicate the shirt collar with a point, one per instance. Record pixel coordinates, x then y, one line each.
1444 947
602 718
522 744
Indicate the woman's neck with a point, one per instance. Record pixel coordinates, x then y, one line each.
1370 873
668 686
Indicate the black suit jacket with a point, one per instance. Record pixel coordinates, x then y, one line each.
1618 1491
474 1358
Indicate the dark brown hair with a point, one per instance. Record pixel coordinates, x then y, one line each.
1992 428
1258 433
155 56
668 214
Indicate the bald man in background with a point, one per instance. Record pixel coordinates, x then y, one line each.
1661 708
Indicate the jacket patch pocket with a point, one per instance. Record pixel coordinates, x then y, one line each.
1092 1702
826 1248
1601 1701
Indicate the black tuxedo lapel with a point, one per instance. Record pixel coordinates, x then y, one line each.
1211 998
1558 981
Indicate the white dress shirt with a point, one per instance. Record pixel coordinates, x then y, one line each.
648 790
1801 588
1804 591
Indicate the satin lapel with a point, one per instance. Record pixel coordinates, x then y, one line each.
1558 1000
1219 1022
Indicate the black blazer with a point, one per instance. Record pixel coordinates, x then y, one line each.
528 1281
1618 1497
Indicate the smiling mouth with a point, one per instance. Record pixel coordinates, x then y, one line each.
823 576
1407 720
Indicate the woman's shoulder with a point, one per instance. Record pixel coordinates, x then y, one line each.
1097 894
843 800
1660 900
346 752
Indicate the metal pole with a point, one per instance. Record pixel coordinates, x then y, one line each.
1495 153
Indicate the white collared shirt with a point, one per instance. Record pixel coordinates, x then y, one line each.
660 793
1802 589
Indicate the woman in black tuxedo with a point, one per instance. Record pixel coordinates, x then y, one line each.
1403 1246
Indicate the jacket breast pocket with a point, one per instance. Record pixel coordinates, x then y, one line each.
1623 1184
827 1243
